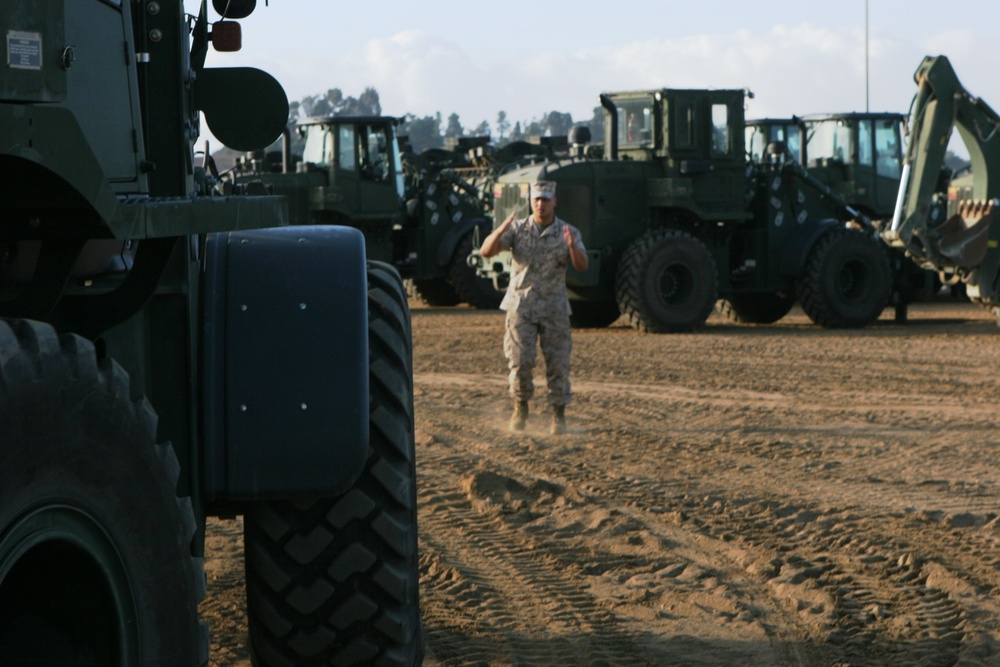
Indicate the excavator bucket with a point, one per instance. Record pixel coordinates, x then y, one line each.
963 238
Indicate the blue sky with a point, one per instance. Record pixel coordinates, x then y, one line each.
527 58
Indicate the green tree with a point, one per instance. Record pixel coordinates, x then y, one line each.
334 103
503 125
481 130
517 134
454 127
422 133
369 103
556 123
534 129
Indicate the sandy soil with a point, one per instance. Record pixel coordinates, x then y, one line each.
770 495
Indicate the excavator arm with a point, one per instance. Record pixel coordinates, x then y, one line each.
951 233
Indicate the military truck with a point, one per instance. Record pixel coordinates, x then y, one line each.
950 229
417 212
169 353
858 155
677 215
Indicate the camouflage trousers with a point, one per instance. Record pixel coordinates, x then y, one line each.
520 347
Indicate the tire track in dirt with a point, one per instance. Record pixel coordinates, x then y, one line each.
550 618
776 495
867 592
874 591
681 573
749 426
828 402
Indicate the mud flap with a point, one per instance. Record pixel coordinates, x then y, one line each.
285 362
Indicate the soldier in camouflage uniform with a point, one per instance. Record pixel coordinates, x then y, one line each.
536 302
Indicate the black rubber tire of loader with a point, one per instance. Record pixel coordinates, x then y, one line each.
96 566
755 308
847 281
334 581
667 282
593 314
433 292
474 290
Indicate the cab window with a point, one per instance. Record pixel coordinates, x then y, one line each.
721 138
345 148
635 122
373 154
318 148
829 140
865 155
793 141
755 140
888 150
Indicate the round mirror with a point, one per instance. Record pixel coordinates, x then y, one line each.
234 9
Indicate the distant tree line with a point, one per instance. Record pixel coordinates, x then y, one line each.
432 131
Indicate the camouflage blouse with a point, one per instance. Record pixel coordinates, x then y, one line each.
538 271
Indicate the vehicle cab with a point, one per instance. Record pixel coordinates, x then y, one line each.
361 158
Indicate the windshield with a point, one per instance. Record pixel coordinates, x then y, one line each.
635 121
397 162
759 136
829 139
373 153
756 139
318 148
888 149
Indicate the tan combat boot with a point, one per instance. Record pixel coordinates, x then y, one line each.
519 416
558 420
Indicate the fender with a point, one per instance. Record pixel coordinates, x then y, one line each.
284 375
795 254
446 249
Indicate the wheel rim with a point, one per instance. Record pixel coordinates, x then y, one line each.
676 284
852 280
55 556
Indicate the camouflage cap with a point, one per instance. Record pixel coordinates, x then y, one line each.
543 189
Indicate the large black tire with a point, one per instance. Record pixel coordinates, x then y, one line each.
755 308
847 281
667 282
334 581
95 546
434 292
474 290
593 314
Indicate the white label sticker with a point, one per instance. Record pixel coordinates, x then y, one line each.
24 49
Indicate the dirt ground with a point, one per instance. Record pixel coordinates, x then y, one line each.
743 495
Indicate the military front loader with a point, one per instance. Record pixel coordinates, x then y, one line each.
858 155
417 213
170 352
677 216
951 230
